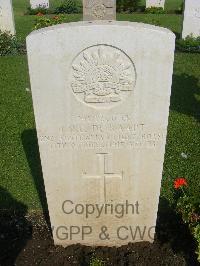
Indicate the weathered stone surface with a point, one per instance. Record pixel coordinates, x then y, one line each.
39 3
99 9
101 94
191 22
155 3
6 16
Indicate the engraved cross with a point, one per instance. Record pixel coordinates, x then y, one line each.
104 174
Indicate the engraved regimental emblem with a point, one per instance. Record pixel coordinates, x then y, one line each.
102 76
99 11
97 8
197 12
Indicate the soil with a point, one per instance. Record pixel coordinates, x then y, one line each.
27 240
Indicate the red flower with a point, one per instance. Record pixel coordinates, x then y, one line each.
56 17
179 182
39 14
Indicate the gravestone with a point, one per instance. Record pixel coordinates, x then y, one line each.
39 3
191 22
6 16
101 95
155 3
99 9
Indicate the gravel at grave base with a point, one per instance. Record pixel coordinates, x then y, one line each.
25 242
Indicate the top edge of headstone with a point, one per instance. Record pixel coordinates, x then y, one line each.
105 23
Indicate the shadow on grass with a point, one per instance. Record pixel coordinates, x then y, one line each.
178 35
15 229
30 145
171 229
184 90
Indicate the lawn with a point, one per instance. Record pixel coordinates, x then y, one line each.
21 177
24 24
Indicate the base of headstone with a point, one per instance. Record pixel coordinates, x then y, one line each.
191 21
39 3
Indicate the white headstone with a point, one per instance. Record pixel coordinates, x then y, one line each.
99 9
39 3
155 3
191 22
6 16
101 95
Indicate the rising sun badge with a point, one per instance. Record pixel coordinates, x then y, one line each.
102 75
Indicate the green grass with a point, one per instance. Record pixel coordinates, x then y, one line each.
16 117
184 125
20 165
173 4
25 23
172 22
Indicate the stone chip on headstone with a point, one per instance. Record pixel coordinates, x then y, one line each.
155 3
99 9
39 3
191 22
6 17
101 95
